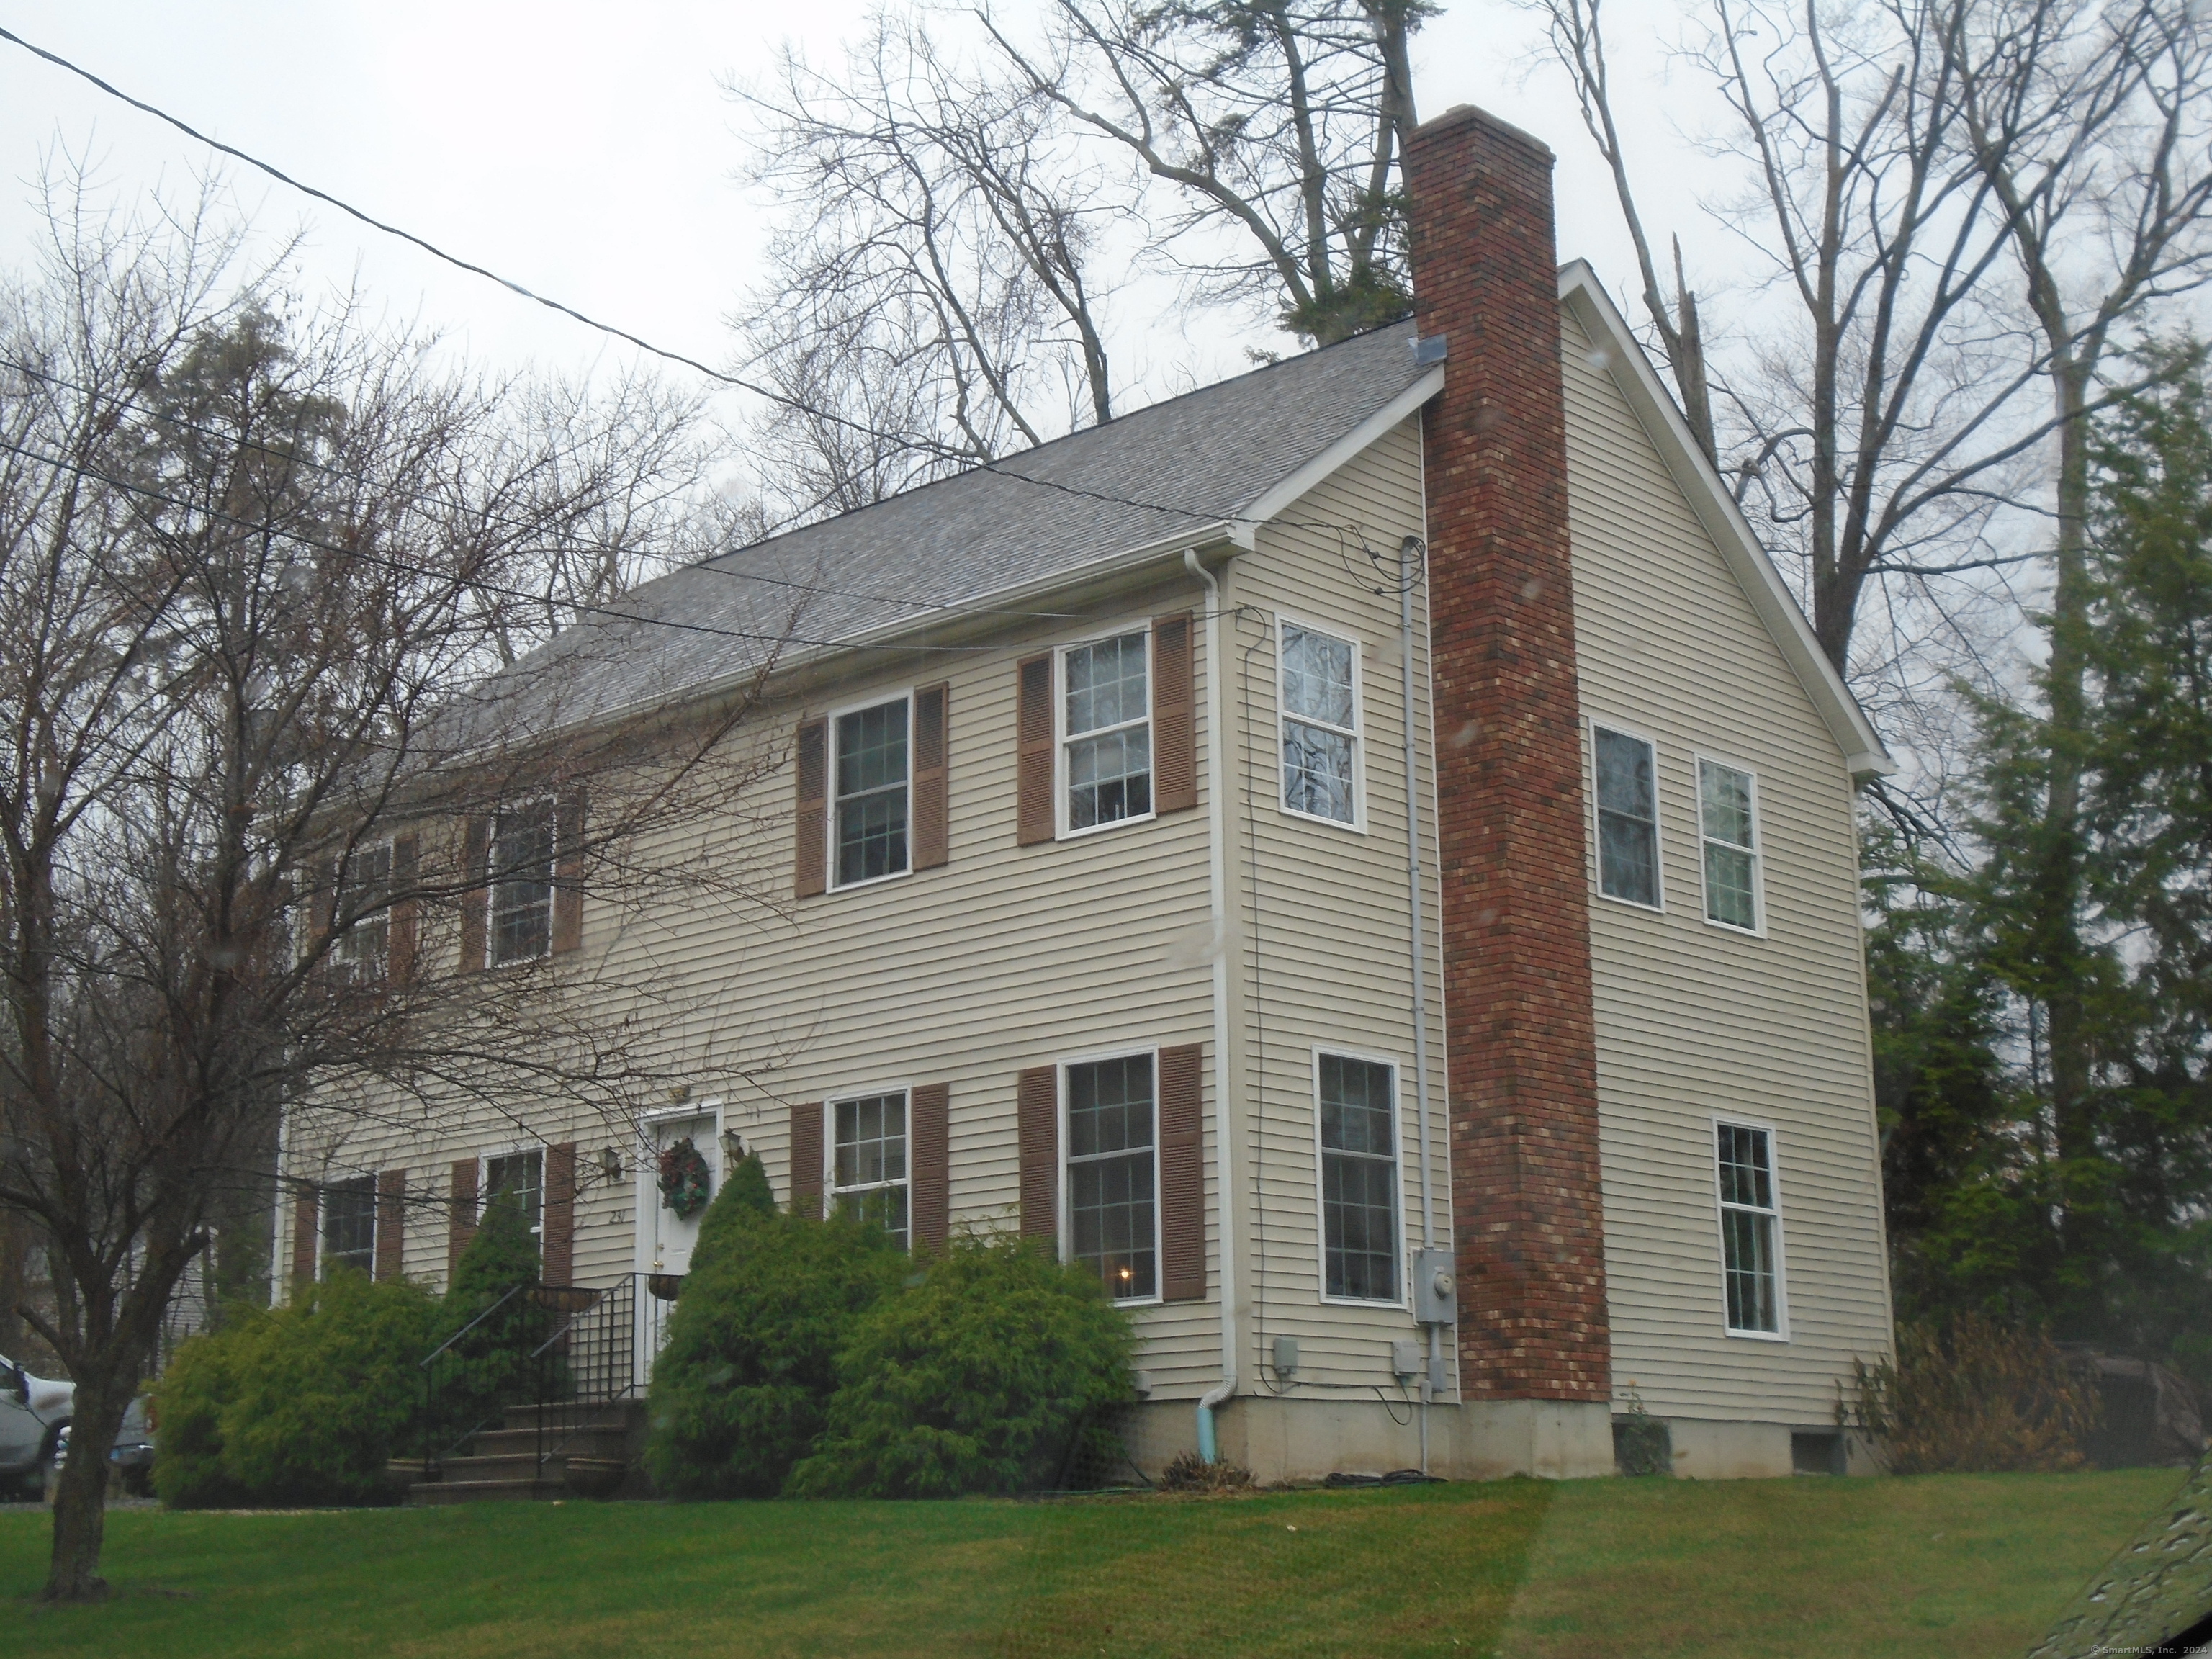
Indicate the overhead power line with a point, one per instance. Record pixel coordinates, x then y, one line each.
943 451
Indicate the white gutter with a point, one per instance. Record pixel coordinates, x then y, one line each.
1217 895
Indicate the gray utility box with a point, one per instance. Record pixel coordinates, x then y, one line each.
1436 1298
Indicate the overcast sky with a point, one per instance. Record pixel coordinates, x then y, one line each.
587 151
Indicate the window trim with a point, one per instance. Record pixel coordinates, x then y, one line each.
323 1257
845 1097
829 797
483 1184
1715 1122
1065 1221
377 971
491 880
1357 732
1699 759
1061 829
1593 724
1403 1300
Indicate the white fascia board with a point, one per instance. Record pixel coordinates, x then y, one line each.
1709 498
1278 498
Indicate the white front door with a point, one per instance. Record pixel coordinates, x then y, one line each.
667 1237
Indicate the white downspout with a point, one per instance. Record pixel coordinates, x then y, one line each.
1405 554
1217 790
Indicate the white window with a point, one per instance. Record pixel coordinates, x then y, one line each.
870 776
1106 731
1113 1173
1358 1116
364 949
1627 817
1727 819
521 877
1751 1231
867 1161
1319 693
522 1173
349 1223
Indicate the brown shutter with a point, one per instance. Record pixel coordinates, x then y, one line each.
476 896
390 1223
400 938
461 1227
930 832
303 1242
811 822
806 1159
1174 720
1182 1176
1034 819
1037 1107
568 875
558 1254
929 1167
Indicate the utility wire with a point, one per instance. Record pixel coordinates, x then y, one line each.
942 450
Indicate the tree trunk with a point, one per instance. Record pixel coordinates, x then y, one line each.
81 1501
2060 878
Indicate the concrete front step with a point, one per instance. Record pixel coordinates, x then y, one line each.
521 1443
517 1418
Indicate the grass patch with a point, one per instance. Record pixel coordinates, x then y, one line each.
1951 1564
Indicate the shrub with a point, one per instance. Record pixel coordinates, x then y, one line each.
746 1199
1188 1472
1973 1397
490 1366
741 1387
972 1381
299 1405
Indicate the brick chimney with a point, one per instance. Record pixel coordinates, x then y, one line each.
1527 1209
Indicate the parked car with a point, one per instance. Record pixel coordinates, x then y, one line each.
132 1454
34 1415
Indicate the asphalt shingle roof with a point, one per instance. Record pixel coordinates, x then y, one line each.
1046 512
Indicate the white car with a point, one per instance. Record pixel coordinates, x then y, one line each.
34 1411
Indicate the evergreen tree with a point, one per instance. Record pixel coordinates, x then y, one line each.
490 1363
746 1199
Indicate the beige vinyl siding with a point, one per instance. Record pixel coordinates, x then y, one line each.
1695 1021
1322 961
1005 957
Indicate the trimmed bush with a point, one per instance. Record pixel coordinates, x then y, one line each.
746 1199
742 1386
298 1405
975 1380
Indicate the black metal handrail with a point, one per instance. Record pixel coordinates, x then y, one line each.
435 1426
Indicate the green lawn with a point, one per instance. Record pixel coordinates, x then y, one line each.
1957 1565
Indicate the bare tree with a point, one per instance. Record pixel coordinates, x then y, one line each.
1275 127
254 570
936 298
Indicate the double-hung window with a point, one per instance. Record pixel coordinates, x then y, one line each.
868 1163
522 882
522 1173
1751 1231
364 949
349 1223
1113 1174
872 779
1627 817
1320 698
1106 731
1727 819
1358 1178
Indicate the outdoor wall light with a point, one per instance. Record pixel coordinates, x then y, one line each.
734 1146
610 1163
